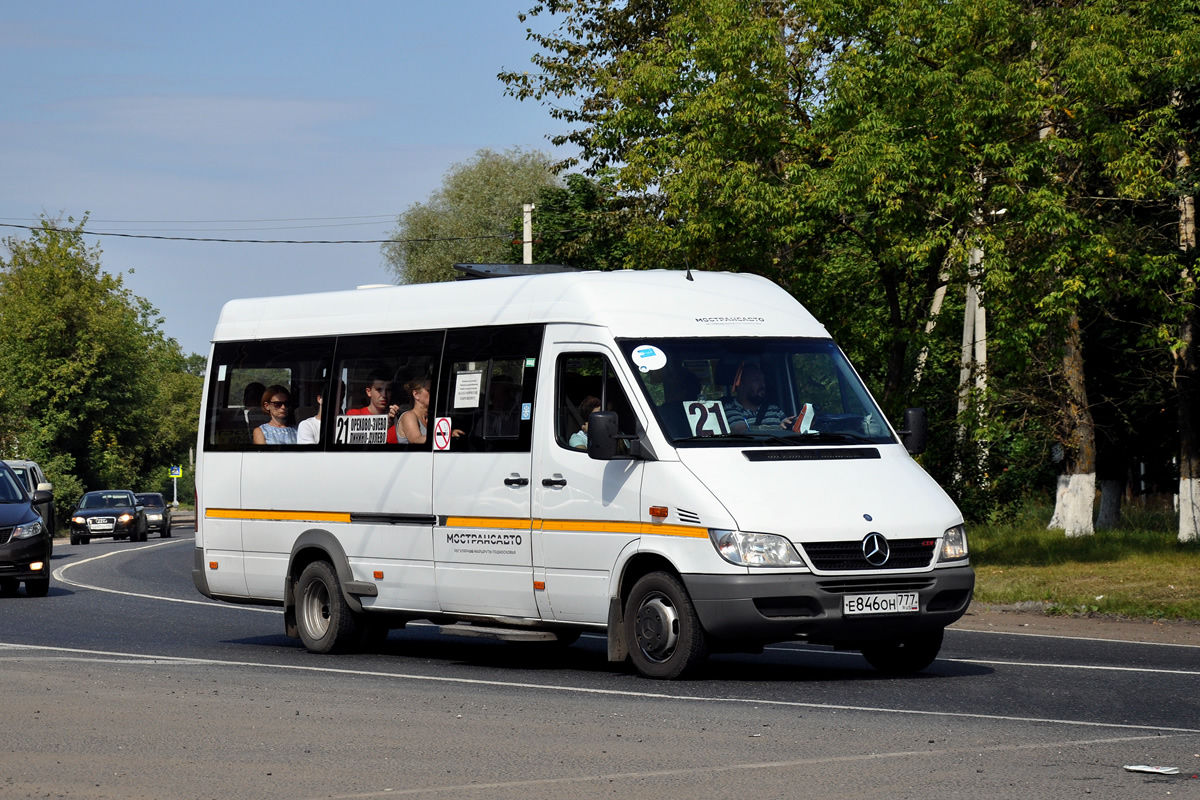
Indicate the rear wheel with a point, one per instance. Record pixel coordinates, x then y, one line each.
661 627
904 656
324 620
37 587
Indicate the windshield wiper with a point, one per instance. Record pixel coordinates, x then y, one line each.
822 436
719 437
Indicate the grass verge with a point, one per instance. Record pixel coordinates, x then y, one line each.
1138 570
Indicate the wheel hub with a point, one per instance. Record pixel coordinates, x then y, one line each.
315 608
657 626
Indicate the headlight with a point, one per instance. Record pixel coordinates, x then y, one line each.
154 516
755 549
28 530
954 543
79 520
125 518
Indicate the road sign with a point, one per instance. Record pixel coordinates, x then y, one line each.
176 472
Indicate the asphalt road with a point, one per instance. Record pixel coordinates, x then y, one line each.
126 683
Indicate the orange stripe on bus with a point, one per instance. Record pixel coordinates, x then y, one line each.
277 516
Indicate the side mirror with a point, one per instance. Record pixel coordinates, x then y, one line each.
41 496
45 487
916 430
603 430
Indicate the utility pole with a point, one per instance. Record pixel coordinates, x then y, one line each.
527 239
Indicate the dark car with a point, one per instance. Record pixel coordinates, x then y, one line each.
158 513
112 512
24 539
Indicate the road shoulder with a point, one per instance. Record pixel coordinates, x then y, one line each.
1033 620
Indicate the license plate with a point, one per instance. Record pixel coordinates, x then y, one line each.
899 603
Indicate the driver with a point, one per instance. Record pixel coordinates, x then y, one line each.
748 409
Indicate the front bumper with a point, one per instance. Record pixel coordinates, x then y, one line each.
118 530
18 554
775 608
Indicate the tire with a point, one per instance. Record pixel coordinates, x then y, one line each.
904 656
75 539
165 533
37 587
324 620
9 586
661 628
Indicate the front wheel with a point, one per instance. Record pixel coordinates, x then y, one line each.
904 656
324 620
662 629
37 587
9 586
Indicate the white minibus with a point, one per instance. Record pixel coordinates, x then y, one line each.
684 462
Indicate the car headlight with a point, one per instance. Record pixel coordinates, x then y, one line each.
79 520
755 549
125 518
154 516
28 530
954 543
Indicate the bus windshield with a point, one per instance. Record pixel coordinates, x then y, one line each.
715 392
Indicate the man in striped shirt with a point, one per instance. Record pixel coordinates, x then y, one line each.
748 409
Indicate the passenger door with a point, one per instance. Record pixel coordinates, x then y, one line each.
481 479
586 511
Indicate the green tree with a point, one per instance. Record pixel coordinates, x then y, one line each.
89 385
470 218
869 156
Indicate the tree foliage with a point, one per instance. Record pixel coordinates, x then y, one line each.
865 154
90 387
470 219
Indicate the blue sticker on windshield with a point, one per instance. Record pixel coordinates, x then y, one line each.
648 358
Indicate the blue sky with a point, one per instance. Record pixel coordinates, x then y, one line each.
249 120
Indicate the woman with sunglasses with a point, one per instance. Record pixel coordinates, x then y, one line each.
277 402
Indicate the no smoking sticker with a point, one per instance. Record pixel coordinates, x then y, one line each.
441 433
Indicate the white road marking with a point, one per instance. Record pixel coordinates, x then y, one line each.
468 788
1100 668
548 687
60 576
1074 638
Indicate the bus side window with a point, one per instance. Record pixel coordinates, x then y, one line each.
242 373
489 377
372 380
585 383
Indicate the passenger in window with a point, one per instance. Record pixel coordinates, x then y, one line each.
277 403
413 424
748 409
379 402
309 430
579 439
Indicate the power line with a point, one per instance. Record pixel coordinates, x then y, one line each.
225 221
257 241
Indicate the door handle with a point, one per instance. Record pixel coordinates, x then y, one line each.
516 480
557 480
